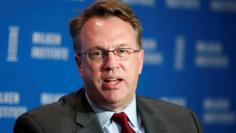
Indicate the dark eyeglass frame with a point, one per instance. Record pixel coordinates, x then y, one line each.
102 53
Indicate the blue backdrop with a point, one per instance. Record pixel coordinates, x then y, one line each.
190 56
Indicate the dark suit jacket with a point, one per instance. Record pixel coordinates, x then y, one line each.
73 114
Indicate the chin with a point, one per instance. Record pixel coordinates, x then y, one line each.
116 99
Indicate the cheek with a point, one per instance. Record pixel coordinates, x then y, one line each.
131 69
90 71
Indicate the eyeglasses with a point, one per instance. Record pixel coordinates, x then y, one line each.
100 54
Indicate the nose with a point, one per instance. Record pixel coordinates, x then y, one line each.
110 62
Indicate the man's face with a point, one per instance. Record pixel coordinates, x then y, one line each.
111 82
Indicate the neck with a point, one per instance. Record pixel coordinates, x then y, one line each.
114 107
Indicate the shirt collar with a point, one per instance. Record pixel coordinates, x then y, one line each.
104 116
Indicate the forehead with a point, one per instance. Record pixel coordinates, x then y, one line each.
107 31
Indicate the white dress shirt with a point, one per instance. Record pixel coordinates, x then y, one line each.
109 126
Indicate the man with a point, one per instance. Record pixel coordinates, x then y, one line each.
109 55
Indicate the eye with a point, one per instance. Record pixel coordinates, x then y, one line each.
95 54
122 51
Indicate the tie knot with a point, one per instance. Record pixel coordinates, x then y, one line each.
120 118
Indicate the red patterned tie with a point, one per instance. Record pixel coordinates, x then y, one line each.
122 120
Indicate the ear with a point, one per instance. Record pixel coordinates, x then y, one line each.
78 62
141 60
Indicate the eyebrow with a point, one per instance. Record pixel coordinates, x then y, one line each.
95 48
122 45
100 47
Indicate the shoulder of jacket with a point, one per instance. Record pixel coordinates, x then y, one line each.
65 103
160 104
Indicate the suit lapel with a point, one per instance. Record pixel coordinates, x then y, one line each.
85 116
89 123
152 123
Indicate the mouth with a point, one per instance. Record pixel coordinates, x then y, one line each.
112 83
